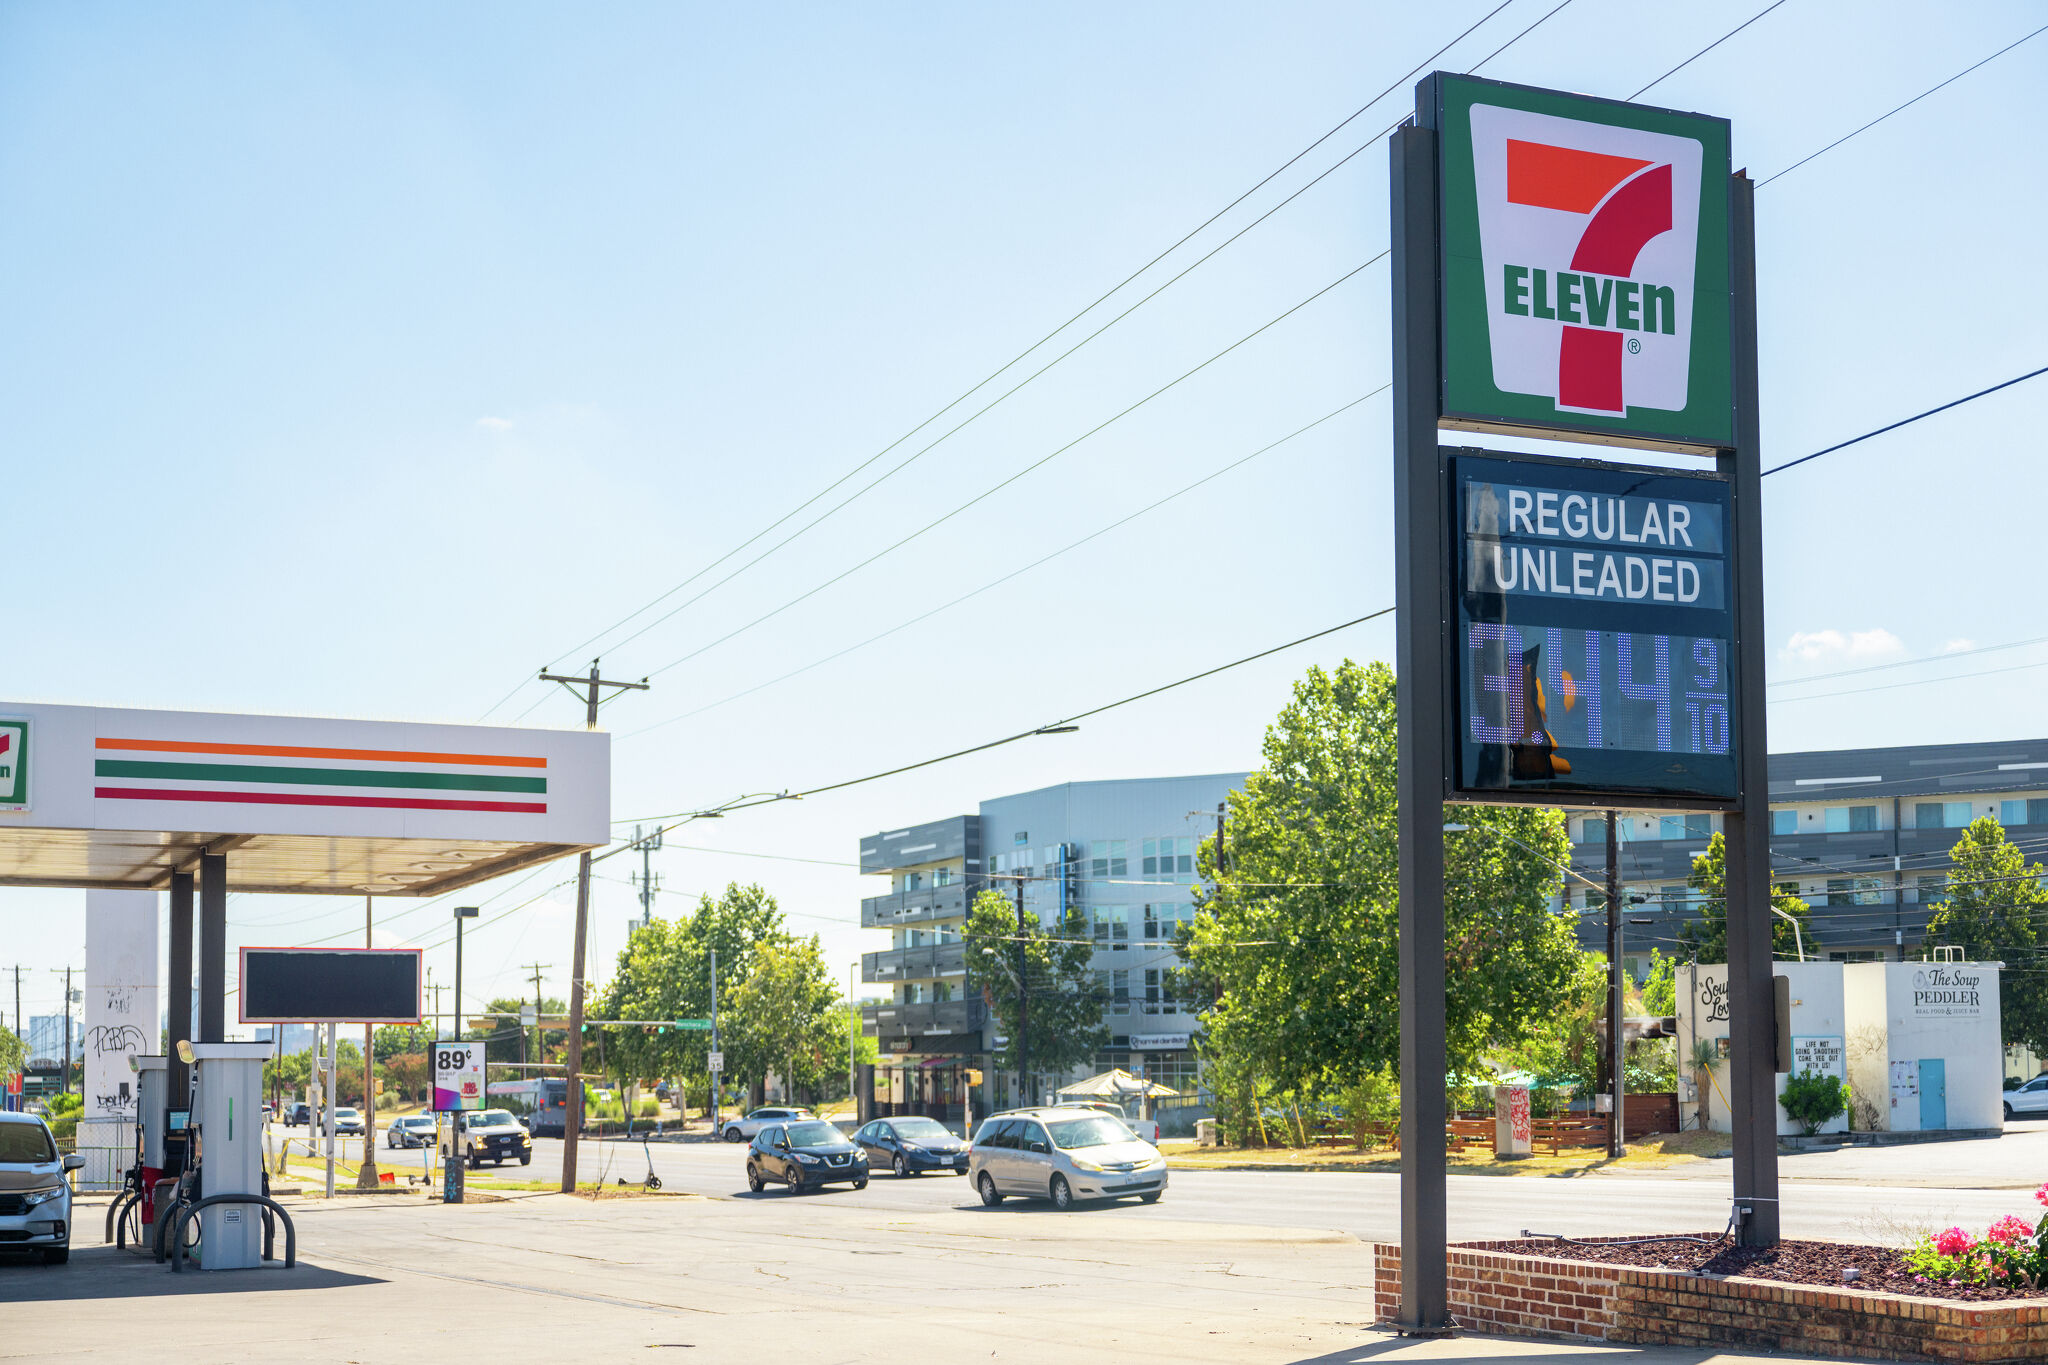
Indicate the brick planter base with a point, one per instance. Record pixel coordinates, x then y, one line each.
1516 1294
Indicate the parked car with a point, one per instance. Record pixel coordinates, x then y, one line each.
804 1155
912 1146
297 1114
413 1130
742 1127
35 1189
2030 1100
493 1135
348 1123
1063 1154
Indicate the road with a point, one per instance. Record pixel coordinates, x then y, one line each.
1366 1205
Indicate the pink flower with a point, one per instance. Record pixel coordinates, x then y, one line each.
1952 1242
2011 1231
2041 1195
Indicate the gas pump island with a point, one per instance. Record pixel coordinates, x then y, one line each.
201 804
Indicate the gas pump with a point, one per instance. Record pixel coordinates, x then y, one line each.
227 1122
152 1158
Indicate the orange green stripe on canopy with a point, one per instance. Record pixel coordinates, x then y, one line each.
192 770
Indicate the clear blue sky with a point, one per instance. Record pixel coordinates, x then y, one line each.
365 359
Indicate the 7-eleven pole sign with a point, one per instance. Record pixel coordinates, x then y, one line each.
1584 267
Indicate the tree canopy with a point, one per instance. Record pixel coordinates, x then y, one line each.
786 1015
1065 996
1708 935
664 972
1992 911
1295 934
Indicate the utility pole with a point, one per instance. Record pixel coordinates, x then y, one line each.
64 1070
540 1052
648 883
716 1072
366 1177
1023 1003
573 1121
1616 1146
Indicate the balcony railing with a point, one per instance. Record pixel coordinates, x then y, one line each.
917 907
928 1017
914 964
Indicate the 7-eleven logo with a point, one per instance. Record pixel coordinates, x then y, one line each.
1589 235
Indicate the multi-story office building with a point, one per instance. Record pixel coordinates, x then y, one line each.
45 1038
1862 835
1121 852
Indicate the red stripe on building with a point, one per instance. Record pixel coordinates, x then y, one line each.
301 799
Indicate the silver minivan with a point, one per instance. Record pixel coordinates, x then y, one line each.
35 1193
1063 1154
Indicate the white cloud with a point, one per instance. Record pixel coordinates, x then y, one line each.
495 423
1959 643
1816 645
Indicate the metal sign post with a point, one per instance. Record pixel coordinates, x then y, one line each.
1573 631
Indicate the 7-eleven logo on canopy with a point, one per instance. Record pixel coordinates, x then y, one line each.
1589 236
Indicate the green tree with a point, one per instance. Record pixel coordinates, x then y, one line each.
786 1015
664 972
1993 912
1708 935
1295 936
1065 996
1660 988
393 1040
13 1053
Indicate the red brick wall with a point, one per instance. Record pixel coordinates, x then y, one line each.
1521 1295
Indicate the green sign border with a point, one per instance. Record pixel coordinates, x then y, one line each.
1469 400
19 801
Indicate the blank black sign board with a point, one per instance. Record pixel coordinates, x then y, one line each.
330 985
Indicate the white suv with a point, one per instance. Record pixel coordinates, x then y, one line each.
745 1126
1063 1154
35 1194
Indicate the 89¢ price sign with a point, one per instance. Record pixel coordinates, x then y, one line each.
458 1076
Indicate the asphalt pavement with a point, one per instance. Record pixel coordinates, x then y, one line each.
1366 1205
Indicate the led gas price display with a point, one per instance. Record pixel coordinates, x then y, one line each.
1594 614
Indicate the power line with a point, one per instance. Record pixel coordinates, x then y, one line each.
990 492
1908 421
1705 50
1907 105
1091 307
1908 663
1915 682
1014 573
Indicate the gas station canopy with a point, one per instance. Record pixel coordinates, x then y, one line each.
96 797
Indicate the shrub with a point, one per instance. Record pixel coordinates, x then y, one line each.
650 1108
1813 1100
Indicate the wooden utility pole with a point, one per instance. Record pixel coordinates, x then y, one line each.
572 1124
540 1051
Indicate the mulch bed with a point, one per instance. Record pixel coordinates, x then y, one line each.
1881 1270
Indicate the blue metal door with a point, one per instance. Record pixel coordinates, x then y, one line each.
1933 1093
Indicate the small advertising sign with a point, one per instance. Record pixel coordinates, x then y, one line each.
1820 1056
458 1076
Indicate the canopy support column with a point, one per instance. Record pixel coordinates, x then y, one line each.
178 992
213 947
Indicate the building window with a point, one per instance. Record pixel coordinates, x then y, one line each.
1849 819
1699 827
942 990
1166 857
1113 925
1784 821
1854 890
1120 992
943 877
1933 886
912 881
1107 859
1941 814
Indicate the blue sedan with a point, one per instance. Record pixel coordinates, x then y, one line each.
912 1146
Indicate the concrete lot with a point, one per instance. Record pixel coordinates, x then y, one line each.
822 1278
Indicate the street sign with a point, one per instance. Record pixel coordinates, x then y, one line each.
1583 263
717 1062
693 1023
1592 648
458 1076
